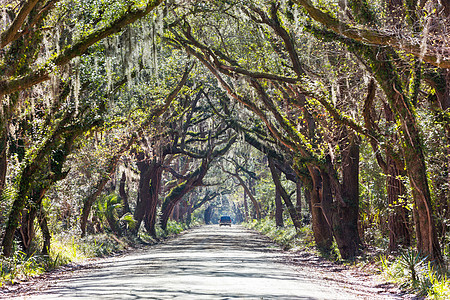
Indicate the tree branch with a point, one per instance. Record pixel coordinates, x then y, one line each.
77 49
10 34
432 55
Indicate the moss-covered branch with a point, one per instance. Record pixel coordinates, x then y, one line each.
11 33
410 45
77 49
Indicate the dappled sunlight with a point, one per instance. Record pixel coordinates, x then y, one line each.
210 262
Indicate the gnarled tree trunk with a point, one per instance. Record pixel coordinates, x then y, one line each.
278 187
346 207
149 185
320 225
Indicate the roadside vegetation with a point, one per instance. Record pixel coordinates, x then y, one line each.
408 269
68 248
415 274
287 236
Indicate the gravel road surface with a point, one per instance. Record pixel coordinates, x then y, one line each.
208 262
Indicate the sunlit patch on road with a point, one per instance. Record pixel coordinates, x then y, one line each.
205 263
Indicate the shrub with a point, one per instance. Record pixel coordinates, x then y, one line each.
413 273
287 236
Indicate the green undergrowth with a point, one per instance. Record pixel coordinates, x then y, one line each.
65 248
68 247
285 236
415 274
173 228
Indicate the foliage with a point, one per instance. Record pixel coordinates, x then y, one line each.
19 267
414 274
66 248
287 237
80 80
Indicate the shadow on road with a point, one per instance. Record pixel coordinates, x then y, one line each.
206 263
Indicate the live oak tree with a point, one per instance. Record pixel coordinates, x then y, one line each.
86 96
381 61
200 137
285 132
215 54
31 53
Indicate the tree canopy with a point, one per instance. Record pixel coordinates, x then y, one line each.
122 113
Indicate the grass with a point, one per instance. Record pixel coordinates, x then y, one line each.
413 273
19 267
287 237
409 270
65 248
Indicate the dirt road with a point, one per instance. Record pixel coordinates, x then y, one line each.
210 262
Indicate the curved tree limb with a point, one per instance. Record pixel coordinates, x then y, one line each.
435 56
11 34
77 49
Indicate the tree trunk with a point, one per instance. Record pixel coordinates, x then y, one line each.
278 208
166 213
123 194
149 185
412 147
89 201
320 225
207 215
252 198
398 216
150 216
394 169
345 210
43 223
298 196
177 193
278 187
27 231
3 159
245 207
306 219
189 213
295 216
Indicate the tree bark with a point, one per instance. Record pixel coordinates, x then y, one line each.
412 148
89 201
250 195
398 214
123 194
43 223
298 196
245 206
346 207
278 187
177 193
26 180
207 214
294 214
417 172
3 159
148 190
320 225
